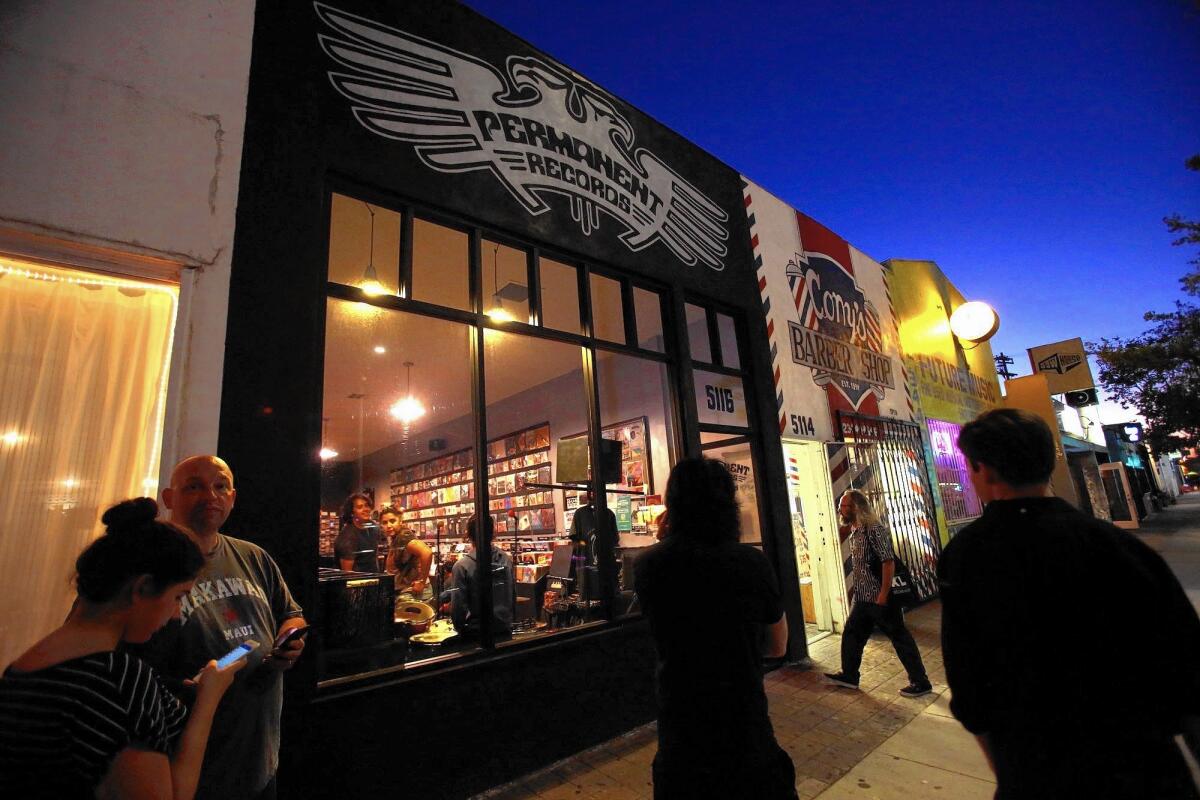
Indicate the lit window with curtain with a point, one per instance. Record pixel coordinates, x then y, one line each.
84 362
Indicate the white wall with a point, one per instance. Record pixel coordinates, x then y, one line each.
121 126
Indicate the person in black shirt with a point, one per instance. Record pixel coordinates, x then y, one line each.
1038 599
464 595
710 601
357 545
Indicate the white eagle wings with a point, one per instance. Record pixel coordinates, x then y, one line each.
409 89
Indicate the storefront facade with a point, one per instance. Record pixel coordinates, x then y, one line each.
460 273
951 382
843 401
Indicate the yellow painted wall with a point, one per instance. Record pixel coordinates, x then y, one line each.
951 383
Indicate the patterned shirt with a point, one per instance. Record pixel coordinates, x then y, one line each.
866 585
61 727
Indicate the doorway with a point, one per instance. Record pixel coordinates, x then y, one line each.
815 535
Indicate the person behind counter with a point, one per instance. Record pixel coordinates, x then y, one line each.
78 718
464 595
408 558
357 546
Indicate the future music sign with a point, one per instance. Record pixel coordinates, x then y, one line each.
534 126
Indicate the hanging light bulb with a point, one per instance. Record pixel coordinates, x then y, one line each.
497 311
326 451
370 284
408 409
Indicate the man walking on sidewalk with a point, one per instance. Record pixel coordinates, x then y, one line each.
1071 650
869 539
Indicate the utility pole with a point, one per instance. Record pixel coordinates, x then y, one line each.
1002 362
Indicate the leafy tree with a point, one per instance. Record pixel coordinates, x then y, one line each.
1158 372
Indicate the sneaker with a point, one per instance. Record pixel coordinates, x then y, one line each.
841 680
916 689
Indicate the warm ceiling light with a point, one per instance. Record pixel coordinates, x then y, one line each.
12 437
326 452
370 284
408 410
975 321
70 483
380 349
499 313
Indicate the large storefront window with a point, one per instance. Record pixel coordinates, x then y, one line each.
397 483
636 412
83 366
403 583
954 479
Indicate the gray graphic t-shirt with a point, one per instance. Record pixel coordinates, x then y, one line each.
239 595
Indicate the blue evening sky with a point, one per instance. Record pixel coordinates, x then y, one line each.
1030 148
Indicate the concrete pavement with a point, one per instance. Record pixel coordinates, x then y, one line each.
867 745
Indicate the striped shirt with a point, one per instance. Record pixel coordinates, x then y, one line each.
61 727
866 585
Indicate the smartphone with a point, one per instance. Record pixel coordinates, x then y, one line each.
290 636
235 655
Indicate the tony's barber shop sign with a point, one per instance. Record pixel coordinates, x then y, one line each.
839 334
534 126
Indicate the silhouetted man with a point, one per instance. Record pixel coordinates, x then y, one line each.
1039 602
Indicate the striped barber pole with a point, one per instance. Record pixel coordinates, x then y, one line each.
761 273
909 388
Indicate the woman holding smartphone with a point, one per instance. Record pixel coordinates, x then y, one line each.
78 718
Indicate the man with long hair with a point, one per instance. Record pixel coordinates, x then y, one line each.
714 735
872 593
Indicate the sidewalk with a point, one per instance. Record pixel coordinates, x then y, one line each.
868 745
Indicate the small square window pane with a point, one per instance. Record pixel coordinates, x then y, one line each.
608 320
648 308
505 282
355 257
441 271
560 296
697 328
729 346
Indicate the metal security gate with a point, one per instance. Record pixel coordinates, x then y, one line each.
884 459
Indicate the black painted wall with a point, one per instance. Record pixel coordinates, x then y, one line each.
501 715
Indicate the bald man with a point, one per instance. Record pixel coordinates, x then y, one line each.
238 595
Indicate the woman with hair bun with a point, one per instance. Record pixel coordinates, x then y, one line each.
78 718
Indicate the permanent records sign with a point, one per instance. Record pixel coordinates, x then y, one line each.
1064 364
533 126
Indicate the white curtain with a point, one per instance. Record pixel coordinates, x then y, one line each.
83 375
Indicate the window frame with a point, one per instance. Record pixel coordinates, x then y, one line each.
672 357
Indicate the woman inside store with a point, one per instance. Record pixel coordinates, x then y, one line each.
408 559
714 736
78 718
357 546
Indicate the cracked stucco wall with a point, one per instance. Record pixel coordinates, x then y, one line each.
121 122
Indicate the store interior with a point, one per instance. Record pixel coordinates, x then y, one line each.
398 425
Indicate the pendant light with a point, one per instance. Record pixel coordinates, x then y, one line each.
497 312
327 452
370 284
408 409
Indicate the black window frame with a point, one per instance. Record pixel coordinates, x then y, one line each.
673 357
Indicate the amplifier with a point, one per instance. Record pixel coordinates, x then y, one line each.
357 608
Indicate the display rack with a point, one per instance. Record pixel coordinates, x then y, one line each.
441 490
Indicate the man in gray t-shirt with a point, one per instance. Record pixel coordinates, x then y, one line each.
238 595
